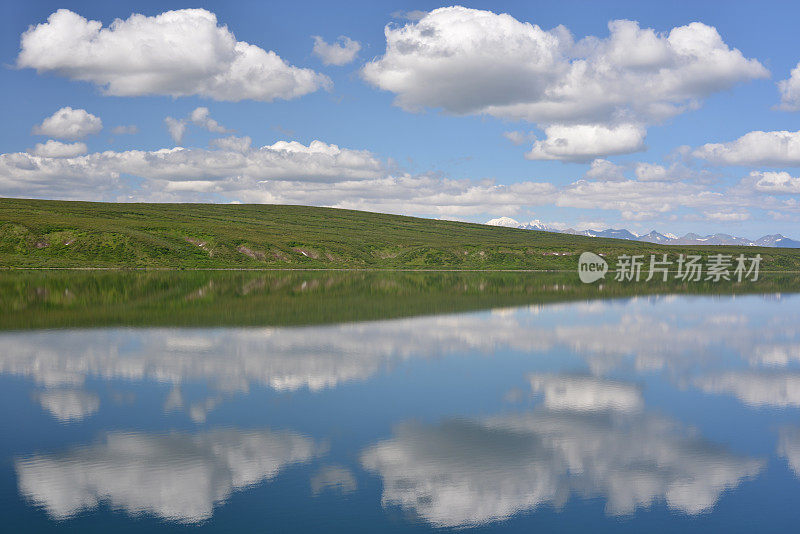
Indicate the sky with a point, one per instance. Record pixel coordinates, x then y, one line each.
674 116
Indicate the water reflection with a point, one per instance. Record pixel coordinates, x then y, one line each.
789 447
334 478
69 404
691 346
179 477
755 388
478 417
586 393
473 471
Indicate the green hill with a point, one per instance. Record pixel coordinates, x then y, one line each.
49 233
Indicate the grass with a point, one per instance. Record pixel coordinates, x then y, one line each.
62 234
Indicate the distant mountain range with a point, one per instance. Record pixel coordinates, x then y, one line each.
774 240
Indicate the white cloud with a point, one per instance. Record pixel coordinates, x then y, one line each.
323 174
57 149
176 53
200 117
91 175
754 148
469 61
341 52
651 172
583 142
518 137
131 129
776 182
68 123
675 172
284 172
727 216
174 476
635 199
604 170
790 91
233 143
176 128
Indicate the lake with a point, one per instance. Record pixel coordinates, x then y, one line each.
402 402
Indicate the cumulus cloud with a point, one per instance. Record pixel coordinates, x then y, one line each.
774 148
341 52
325 174
178 477
470 472
790 91
776 182
177 53
284 172
57 149
584 142
634 199
468 61
68 123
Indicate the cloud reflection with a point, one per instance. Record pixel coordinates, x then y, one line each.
755 388
179 477
691 340
474 471
69 404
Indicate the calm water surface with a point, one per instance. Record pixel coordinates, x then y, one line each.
649 413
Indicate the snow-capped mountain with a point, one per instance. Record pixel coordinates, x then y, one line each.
655 237
777 240
508 222
715 239
611 232
774 240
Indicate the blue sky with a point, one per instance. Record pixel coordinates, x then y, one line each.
393 138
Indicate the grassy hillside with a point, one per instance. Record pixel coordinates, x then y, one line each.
47 233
